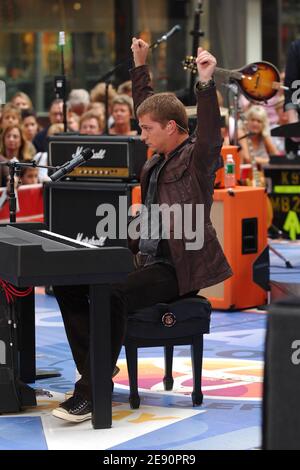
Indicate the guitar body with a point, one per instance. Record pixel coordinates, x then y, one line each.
259 81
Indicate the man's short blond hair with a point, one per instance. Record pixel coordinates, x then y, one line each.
164 107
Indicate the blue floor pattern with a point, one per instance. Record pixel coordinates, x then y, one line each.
230 417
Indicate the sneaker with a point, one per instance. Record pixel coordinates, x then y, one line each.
76 409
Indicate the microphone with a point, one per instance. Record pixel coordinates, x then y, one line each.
61 38
77 160
166 36
2 92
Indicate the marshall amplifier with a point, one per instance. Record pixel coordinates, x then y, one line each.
91 212
115 157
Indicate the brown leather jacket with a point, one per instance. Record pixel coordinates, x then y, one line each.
188 177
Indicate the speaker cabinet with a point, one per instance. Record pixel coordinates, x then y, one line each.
239 217
77 210
281 399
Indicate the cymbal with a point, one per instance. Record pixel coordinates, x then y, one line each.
288 130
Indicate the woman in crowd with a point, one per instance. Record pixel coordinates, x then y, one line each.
91 123
30 126
21 100
13 146
122 111
255 138
11 116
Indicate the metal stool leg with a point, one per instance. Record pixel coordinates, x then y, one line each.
168 378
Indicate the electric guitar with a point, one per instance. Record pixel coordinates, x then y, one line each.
259 81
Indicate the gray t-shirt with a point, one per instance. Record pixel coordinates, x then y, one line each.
151 243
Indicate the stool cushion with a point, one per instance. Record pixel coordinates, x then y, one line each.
184 317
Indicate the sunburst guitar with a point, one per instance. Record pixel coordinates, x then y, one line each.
258 81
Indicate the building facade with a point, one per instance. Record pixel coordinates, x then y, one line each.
98 36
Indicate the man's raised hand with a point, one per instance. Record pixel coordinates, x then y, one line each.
206 64
140 51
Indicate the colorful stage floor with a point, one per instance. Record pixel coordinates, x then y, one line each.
230 417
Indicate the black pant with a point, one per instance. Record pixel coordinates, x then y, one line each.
143 288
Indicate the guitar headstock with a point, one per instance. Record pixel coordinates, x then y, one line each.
189 63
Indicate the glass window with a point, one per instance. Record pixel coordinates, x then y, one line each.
29 50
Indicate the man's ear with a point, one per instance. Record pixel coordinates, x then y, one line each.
171 126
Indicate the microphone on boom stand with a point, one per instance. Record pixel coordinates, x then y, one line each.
79 158
60 82
106 77
165 36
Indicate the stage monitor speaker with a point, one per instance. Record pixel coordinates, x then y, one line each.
281 398
239 216
72 209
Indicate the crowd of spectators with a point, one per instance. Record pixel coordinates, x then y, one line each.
23 139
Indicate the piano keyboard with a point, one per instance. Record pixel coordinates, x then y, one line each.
49 241
72 241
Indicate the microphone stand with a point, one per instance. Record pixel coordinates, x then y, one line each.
60 81
13 168
106 77
196 33
234 111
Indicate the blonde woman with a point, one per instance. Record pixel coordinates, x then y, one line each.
22 100
11 116
255 139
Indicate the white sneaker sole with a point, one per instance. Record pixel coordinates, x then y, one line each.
63 414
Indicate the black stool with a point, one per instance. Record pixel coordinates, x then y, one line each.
178 323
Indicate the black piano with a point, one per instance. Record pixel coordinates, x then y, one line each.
30 255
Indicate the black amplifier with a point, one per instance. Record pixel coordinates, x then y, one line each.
117 157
